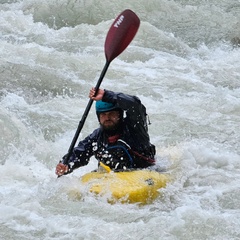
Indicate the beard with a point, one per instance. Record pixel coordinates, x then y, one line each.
112 129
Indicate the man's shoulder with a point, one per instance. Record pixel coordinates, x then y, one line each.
95 133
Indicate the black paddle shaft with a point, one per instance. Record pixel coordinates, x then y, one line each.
85 114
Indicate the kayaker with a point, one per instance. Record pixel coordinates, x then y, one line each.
122 140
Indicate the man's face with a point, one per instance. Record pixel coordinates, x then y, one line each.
109 120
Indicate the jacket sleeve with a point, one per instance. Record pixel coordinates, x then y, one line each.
135 112
82 153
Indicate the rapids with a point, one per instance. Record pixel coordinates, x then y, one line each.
183 64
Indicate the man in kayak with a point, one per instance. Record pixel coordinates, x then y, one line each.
121 142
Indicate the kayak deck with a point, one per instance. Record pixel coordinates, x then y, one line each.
137 186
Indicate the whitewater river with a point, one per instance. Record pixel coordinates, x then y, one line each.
183 64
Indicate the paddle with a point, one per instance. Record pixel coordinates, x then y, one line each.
120 34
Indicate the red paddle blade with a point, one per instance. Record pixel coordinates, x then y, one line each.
121 33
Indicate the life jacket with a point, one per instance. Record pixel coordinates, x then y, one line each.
117 154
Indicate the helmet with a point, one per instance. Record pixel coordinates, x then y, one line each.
104 106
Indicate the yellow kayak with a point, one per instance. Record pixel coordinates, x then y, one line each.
137 186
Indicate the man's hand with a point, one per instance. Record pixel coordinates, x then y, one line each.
61 169
99 94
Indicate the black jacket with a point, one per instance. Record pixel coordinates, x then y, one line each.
132 148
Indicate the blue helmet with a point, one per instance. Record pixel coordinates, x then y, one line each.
105 106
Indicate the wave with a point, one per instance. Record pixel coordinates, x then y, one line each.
193 22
